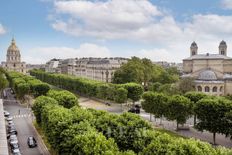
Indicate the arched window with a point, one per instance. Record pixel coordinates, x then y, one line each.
199 88
215 89
222 52
221 89
206 89
193 53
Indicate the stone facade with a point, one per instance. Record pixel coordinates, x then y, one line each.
100 69
212 72
13 59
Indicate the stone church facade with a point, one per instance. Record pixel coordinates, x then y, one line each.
13 59
212 72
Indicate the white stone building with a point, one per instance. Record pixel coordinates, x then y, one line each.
100 69
13 59
212 72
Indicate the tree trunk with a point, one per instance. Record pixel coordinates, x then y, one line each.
150 117
177 126
121 107
195 119
214 138
161 118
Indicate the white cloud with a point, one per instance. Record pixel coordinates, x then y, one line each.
142 21
226 4
2 29
43 54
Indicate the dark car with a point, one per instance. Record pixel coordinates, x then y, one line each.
31 142
135 109
6 114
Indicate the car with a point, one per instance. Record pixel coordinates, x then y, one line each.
10 118
12 131
31 142
14 147
135 109
6 114
10 123
13 141
16 151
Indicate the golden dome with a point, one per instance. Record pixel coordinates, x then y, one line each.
13 49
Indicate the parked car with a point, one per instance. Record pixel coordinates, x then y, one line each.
135 109
6 114
13 141
14 147
12 131
10 123
31 142
16 152
10 118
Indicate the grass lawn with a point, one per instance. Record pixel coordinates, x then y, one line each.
173 134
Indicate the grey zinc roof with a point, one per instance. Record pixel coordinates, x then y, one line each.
208 56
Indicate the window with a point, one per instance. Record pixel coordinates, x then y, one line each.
223 52
199 88
193 53
215 89
206 89
221 89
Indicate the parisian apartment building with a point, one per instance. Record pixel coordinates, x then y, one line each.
100 69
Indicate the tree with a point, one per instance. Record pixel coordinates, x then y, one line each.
132 71
211 115
185 85
22 90
64 98
135 91
195 97
3 82
179 108
155 103
120 95
39 104
92 142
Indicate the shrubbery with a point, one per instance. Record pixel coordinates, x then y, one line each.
106 91
87 131
23 85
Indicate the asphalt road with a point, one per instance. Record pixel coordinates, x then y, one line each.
23 120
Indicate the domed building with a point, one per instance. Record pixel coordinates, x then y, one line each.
13 59
212 72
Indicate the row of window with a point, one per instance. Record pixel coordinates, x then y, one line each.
207 89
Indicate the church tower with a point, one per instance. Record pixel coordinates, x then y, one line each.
193 49
223 48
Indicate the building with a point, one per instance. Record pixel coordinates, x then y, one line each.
52 66
67 66
212 72
100 69
13 59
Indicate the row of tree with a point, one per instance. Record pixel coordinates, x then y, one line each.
24 85
107 91
73 130
213 113
3 80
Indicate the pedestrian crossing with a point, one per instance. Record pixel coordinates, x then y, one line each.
22 116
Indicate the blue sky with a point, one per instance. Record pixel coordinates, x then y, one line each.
159 29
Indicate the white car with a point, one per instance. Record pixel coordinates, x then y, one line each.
10 118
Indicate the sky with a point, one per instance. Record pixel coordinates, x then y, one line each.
161 30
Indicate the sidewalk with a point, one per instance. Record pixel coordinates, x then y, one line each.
168 125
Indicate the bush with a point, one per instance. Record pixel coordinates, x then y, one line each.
64 98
